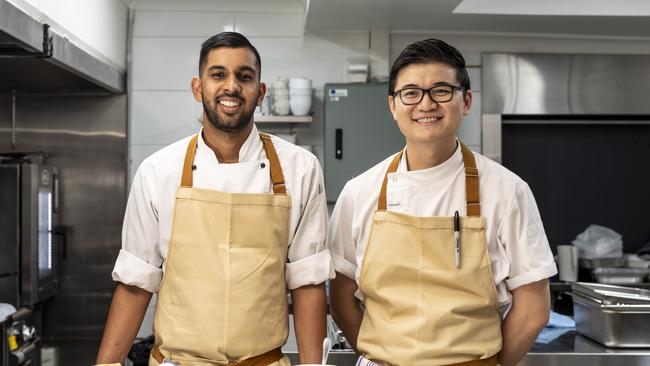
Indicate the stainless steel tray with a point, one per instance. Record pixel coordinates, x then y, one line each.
619 326
601 262
612 295
620 276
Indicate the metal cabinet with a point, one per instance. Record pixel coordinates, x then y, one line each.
359 132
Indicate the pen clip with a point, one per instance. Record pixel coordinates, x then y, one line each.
457 239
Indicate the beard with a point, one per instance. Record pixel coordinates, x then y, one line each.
222 124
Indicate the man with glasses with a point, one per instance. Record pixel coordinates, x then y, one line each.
441 254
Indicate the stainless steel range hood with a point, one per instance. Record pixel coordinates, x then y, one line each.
35 59
564 84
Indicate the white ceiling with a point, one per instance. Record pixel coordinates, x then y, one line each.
348 15
631 8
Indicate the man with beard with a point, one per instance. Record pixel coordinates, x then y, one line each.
221 224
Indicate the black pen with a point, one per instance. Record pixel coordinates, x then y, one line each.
457 237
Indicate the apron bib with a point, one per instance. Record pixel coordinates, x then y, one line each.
420 309
223 297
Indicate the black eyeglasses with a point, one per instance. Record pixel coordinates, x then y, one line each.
438 93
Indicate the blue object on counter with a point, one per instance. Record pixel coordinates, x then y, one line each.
558 324
560 321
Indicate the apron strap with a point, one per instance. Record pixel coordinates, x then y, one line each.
471 181
264 359
186 179
276 170
392 168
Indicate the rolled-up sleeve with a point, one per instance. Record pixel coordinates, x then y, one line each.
523 237
139 261
341 236
131 270
309 259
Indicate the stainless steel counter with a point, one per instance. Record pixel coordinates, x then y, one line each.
568 349
574 349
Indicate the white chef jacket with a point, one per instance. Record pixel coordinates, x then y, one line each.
150 208
517 245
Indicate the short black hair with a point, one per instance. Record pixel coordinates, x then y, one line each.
429 51
227 39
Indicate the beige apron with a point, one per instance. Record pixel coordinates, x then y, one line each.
223 297
419 308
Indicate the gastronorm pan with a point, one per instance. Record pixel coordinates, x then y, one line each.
601 262
612 295
620 275
619 326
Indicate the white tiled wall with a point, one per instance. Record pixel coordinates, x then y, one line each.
161 23
256 24
166 40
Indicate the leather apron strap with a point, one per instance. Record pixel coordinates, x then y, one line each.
490 361
264 359
276 171
188 164
471 181
392 168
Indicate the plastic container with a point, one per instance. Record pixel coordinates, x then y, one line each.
598 242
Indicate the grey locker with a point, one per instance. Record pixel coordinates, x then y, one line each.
367 133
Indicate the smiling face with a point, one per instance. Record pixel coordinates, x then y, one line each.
429 122
229 88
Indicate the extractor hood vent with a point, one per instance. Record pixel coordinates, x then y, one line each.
35 59
10 47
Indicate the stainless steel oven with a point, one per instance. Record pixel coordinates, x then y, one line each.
28 221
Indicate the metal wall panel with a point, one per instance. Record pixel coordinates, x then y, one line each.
565 84
85 137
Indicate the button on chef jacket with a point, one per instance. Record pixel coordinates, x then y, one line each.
517 245
148 219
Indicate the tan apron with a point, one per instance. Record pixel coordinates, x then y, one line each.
419 308
223 298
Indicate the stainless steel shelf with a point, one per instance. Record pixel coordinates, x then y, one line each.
282 119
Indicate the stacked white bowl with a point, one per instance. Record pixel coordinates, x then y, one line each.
300 96
280 98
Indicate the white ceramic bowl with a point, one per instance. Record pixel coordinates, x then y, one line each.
280 99
300 83
281 107
280 84
300 105
300 91
276 92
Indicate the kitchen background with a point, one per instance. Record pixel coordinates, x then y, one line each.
98 132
